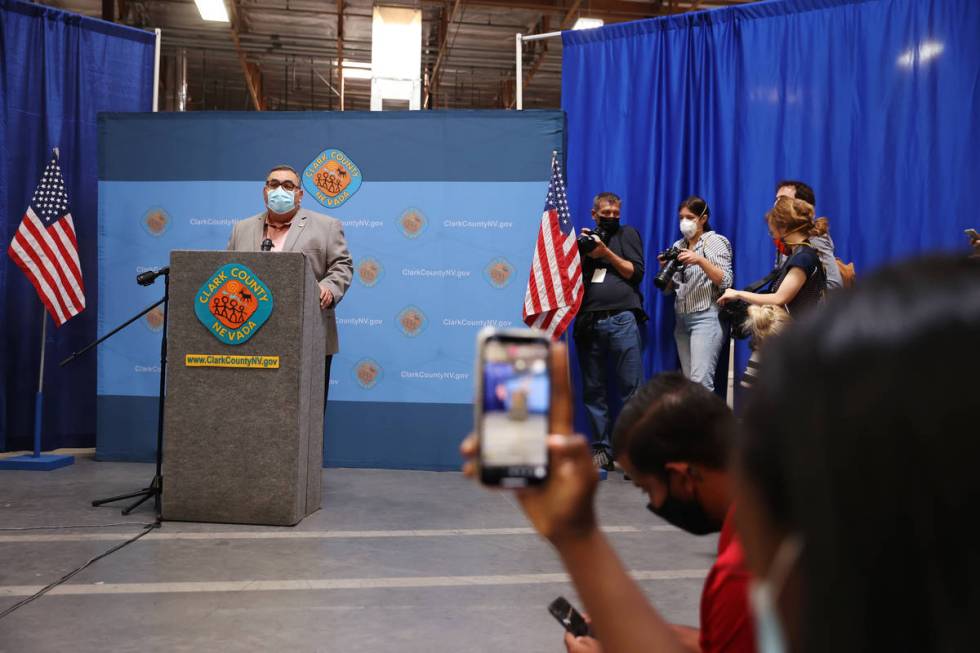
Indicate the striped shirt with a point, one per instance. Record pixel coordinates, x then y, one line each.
695 291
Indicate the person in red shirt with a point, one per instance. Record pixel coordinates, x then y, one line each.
673 439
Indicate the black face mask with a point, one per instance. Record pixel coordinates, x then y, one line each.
610 225
686 515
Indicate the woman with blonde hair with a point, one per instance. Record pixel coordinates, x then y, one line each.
762 322
801 281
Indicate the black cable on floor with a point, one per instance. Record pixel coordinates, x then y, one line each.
66 577
57 528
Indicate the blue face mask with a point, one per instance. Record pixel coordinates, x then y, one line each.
769 633
280 200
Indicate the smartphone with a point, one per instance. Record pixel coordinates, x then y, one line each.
569 617
512 406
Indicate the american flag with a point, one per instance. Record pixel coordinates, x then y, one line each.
554 289
46 249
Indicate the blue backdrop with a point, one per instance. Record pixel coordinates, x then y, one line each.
441 229
57 71
872 102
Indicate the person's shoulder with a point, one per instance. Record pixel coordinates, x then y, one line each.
629 231
805 256
715 240
728 573
714 235
250 220
321 218
823 243
318 216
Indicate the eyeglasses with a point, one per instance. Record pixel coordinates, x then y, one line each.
273 184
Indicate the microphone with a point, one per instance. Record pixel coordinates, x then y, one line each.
266 245
147 278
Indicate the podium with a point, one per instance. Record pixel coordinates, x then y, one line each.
243 425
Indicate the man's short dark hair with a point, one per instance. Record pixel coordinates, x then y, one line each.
611 198
803 190
283 166
673 419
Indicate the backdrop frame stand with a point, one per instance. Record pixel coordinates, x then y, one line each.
519 40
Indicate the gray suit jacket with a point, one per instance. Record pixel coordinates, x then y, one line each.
321 239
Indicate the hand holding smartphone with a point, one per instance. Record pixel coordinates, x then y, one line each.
513 406
569 617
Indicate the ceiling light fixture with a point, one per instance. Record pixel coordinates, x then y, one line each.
213 10
396 55
588 23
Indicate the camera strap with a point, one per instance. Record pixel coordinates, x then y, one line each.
756 285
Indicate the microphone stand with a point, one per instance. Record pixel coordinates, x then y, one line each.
155 488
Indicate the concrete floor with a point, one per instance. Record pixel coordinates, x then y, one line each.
395 561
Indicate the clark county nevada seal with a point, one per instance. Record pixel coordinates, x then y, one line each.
332 178
233 304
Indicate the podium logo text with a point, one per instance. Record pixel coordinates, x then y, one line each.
231 360
233 304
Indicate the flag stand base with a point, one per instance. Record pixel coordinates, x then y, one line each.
42 463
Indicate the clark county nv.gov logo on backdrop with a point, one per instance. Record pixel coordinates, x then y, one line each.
233 304
332 178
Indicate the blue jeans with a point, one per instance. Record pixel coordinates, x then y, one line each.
615 338
699 339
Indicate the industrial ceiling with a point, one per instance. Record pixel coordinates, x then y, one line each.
283 54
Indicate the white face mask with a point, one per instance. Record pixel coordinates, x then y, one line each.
688 228
770 637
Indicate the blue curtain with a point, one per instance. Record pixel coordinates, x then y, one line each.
57 72
874 103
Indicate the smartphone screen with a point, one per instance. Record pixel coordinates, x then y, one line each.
513 404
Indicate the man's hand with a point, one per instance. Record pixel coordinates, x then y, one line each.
575 644
326 298
687 257
562 507
600 251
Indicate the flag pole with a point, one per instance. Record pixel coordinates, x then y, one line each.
39 397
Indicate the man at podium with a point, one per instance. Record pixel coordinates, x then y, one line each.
287 227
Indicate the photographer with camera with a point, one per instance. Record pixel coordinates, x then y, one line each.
607 325
697 269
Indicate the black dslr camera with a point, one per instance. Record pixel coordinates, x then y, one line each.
667 272
586 243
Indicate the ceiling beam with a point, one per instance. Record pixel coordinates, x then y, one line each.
622 8
252 72
609 9
433 87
